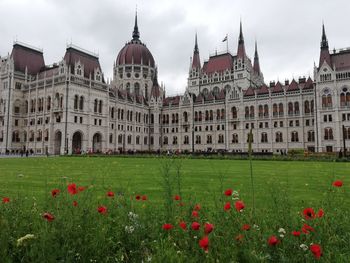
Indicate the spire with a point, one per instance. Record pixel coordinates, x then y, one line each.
256 66
241 47
196 62
324 54
136 33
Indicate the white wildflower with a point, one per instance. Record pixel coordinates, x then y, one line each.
256 227
281 230
281 235
304 247
129 229
21 240
132 216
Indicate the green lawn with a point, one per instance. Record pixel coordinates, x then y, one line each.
201 178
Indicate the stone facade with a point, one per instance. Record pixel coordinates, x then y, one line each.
70 107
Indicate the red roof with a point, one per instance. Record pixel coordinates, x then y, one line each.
135 52
48 72
196 63
277 88
249 92
293 86
25 57
341 60
324 56
218 63
309 84
263 90
171 100
155 91
90 62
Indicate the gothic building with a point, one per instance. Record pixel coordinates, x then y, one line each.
70 107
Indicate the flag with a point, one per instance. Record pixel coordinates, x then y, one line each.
225 39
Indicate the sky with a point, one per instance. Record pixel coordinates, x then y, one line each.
288 32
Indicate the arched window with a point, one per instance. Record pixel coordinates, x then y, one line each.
185 115
306 107
76 98
174 140
206 115
218 114
279 137
280 109
290 108
261 111
95 105
221 138
120 138
100 107
46 135
209 139
264 137
48 103
211 115
274 110
234 112
328 134
310 136
145 140
252 113
198 139
295 137
250 135
296 108
81 103
235 138
39 136
165 140
186 140
137 139
246 112
129 139
266 110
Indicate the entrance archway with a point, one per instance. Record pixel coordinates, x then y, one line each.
77 142
58 142
97 142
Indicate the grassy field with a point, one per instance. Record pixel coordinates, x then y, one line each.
201 178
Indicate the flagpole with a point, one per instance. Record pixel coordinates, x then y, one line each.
227 43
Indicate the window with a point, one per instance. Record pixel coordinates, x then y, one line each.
310 136
81 103
234 112
76 98
221 138
198 139
186 140
174 140
209 139
137 139
328 134
235 138
111 138
129 139
264 137
165 140
250 135
295 137
75 119
279 137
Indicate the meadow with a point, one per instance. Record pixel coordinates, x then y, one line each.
115 209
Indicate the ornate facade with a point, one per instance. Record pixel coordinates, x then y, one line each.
69 106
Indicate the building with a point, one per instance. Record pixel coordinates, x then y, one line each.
69 107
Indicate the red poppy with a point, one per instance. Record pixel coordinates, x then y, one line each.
75 203
102 209
183 225
306 229
177 198
309 213
320 213
195 226
138 197
204 243
245 227
338 183
273 241
239 205
197 207
167 226
81 188
49 217
110 194
227 206
316 250
195 213
228 192
72 189
296 233
55 192
144 197
208 228
239 237
5 200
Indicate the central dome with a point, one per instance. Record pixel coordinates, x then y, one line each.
135 52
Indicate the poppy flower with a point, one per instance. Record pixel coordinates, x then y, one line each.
167 226
273 241
228 192
102 209
72 189
309 213
183 225
195 213
55 192
239 237
227 206
197 207
138 197
5 200
204 243
81 188
208 228
144 197
316 250
246 227
75 203
320 213
338 183
49 217
110 194
296 233
306 229
177 198
239 205
195 226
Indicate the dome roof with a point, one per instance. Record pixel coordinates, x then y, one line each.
135 52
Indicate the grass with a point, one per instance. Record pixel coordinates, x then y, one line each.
305 181
133 231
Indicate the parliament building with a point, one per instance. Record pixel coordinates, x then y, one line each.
69 107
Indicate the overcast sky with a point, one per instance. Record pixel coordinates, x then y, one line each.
288 32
